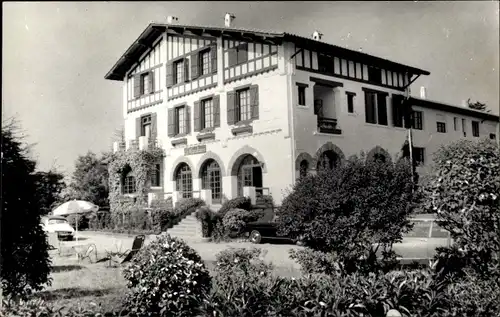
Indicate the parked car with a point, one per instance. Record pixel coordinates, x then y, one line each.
419 245
60 225
264 230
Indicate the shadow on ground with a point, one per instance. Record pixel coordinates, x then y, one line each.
76 292
66 268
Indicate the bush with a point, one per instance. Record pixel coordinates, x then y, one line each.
315 262
83 221
241 263
166 278
464 192
25 261
187 206
350 208
100 220
235 220
162 214
219 233
207 218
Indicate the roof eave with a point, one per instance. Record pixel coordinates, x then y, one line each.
455 109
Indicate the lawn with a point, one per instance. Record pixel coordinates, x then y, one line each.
83 283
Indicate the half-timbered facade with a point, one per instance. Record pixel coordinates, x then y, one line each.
246 112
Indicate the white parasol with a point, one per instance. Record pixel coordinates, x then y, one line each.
75 207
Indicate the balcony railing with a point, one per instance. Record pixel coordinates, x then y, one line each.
328 125
142 143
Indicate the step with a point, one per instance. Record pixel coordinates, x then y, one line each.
185 226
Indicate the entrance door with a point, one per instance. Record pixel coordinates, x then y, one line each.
257 178
249 174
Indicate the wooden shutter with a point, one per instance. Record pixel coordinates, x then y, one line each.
151 81
188 119
186 70
213 57
195 69
171 122
231 105
382 109
154 132
138 127
216 105
137 86
243 53
196 116
254 101
170 74
232 56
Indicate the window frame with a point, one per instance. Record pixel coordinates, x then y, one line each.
156 175
464 130
144 79
238 112
176 64
455 123
178 120
350 101
441 127
129 184
475 128
203 113
301 95
419 159
201 62
146 121
184 180
376 113
417 121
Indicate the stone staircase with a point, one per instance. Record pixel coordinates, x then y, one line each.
187 228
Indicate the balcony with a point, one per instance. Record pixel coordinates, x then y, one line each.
328 125
143 143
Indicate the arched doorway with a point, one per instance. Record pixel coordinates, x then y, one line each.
184 180
249 174
211 179
327 160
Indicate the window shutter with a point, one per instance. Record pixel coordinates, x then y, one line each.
195 70
369 108
243 52
170 74
231 105
171 122
232 56
188 119
216 105
382 109
254 101
154 132
186 70
151 81
137 86
196 116
138 127
213 57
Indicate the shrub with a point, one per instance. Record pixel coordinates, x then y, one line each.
207 218
83 221
241 262
187 206
350 208
464 192
162 214
25 261
235 220
315 262
236 203
165 278
100 220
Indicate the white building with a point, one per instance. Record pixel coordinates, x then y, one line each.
241 112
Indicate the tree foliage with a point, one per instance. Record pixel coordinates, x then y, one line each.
349 208
49 186
25 262
477 105
464 192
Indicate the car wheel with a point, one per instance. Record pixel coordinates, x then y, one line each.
255 237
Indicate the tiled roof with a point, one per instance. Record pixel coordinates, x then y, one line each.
438 105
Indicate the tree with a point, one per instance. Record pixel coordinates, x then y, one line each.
348 209
477 105
90 179
49 186
25 262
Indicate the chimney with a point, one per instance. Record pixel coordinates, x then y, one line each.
228 19
423 92
171 19
317 35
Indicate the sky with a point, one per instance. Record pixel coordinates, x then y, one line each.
55 55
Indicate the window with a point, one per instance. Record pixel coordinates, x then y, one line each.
211 179
184 181
155 176
455 123
146 126
350 101
129 183
441 127
418 154
207 114
302 95
325 63
416 123
205 62
238 54
145 80
375 108
178 72
398 113
493 136
243 109
475 129
463 127
180 120
374 75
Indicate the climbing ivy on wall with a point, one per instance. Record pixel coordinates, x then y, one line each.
141 163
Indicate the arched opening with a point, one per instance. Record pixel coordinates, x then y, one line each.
303 168
211 179
184 180
128 181
327 160
249 174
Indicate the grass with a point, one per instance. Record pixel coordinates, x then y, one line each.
83 284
